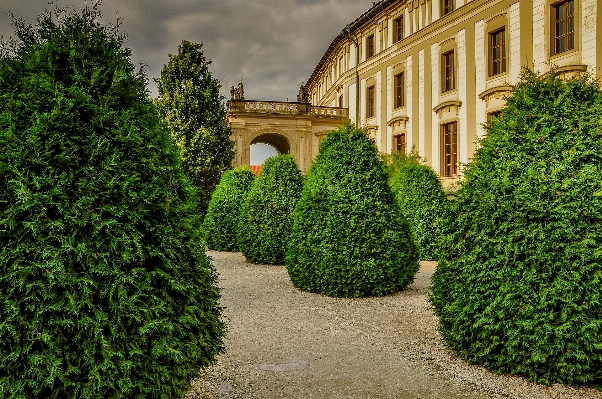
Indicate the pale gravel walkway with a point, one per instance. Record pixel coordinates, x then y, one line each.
285 343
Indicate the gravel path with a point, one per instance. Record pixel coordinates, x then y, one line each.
285 343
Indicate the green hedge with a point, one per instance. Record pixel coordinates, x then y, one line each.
349 238
221 222
267 214
518 288
106 291
423 202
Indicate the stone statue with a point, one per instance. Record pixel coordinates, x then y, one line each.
237 93
302 96
241 91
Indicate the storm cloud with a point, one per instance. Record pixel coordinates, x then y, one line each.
273 45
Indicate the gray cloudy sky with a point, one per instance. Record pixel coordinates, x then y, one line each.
273 45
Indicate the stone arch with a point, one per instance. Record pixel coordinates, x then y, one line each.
276 140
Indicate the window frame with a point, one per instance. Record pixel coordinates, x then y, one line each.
370 102
370 46
399 143
448 73
568 37
399 90
398 29
449 149
502 62
447 7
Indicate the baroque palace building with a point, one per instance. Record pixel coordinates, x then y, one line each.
427 74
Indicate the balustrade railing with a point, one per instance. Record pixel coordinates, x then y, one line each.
329 111
290 108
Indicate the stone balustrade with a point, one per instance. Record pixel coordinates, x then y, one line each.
329 111
287 108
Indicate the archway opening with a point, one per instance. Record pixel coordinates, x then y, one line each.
265 146
260 152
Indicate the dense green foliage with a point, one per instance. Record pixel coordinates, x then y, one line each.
424 204
350 238
106 291
518 288
396 160
221 222
190 103
267 214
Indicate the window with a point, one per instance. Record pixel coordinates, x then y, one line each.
341 101
448 71
493 114
449 145
370 102
370 45
399 95
399 143
447 6
398 29
564 26
497 52
341 68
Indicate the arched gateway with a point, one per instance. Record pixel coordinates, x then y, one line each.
294 127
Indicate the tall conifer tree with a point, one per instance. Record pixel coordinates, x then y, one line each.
105 289
190 103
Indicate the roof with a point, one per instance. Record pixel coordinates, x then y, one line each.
353 26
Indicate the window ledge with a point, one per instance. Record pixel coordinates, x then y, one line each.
453 103
398 119
496 89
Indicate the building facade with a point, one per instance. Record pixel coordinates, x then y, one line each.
427 74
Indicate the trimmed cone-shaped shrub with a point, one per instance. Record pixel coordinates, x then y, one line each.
267 214
424 204
350 238
221 222
518 288
105 289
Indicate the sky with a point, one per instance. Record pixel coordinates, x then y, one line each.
272 45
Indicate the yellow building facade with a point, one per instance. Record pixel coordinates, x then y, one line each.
427 74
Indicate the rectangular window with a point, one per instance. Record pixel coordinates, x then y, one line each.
341 68
370 45
341 101
493 114
564 26
370 102
497 52
399 92
400 142
448 71
398 29
449 146
447 6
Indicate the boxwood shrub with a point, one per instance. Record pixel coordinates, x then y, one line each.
423 202
518 288
221 221
105 289
267 214
350 238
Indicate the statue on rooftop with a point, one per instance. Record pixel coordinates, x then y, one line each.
237 93
302 96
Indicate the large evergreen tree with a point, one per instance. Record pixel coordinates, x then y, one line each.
423 202
518 287
266 215
349 238
223 214
105 289
190 102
